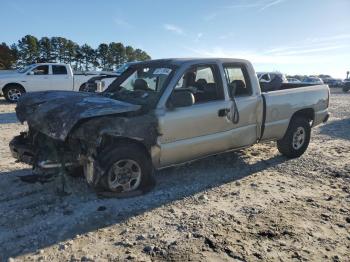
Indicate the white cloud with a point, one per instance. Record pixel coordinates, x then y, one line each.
339 37
244 5
297 59
277 56
271 3
198 37
210 17
226 36
313 45
121 22
259 5
262 4
173 28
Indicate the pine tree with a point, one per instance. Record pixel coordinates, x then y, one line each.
7 57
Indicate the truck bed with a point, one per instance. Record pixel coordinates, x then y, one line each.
280 105
294 85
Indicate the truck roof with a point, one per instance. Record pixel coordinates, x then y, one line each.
180 61
52 63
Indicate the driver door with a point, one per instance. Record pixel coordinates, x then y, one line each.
201 129
37 79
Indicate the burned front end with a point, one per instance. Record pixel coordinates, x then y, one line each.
111 136
67 129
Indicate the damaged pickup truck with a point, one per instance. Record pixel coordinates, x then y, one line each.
161 113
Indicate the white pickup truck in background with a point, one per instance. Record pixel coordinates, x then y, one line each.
42 77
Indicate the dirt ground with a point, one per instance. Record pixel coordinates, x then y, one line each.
251 205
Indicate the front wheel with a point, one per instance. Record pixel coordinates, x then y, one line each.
346 89
12 93
297 138
127 168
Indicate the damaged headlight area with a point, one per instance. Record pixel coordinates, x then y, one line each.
46 154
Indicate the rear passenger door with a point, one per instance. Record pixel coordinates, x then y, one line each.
245 131
60 78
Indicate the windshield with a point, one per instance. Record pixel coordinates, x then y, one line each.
141 84
122 68
25 69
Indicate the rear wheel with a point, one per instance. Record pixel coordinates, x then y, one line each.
13 92
84 88
297 138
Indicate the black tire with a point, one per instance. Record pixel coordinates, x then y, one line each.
346 89
289 145
122 152
76 171
83 88
10 90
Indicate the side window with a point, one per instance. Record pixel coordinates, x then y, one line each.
266 77
205 73
237 79
202 82
41 70
59 70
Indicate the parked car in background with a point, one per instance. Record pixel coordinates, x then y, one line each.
101 82
41 77
313 80
332 82
270 81
293 80
161 113
346 85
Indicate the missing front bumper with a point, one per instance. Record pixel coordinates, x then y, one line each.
22 150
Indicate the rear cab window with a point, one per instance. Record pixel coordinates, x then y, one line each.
237 79
59 70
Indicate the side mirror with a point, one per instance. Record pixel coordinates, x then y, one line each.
232 89
31 73
181 99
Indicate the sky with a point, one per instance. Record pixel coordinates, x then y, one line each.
290 36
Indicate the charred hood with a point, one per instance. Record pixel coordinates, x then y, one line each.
55 113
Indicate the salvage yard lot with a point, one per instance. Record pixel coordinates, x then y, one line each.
250 205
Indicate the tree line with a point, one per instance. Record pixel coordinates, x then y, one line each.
29 49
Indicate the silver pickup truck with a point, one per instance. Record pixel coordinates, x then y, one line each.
161 113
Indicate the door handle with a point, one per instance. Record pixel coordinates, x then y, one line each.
223 112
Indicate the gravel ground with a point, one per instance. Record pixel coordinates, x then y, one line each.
251 205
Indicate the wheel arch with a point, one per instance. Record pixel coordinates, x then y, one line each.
13 84
82 86
308 113
111 141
